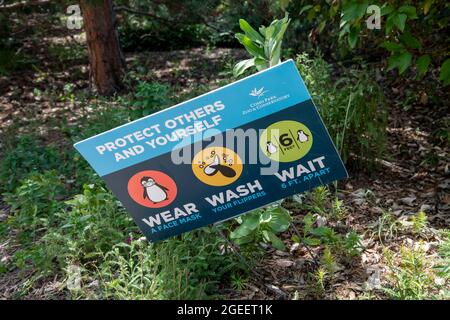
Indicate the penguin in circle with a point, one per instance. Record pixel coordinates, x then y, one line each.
153 191
271 148
302 136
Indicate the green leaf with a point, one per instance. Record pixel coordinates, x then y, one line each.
400 60
386 9
410 11
422 64
400 20
312 241
261 64
305 8
250 32
278 220
250 223
253 49
243 65
444 75
353 37
353 10
296 238
274 240
392 46
410 41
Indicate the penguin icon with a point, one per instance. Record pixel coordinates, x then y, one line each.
271 148
302 136
153 191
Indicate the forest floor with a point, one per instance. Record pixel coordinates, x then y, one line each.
413 177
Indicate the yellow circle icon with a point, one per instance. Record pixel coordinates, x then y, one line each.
217 166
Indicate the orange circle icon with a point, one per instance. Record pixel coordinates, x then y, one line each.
152 189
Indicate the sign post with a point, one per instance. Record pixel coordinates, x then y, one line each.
219 155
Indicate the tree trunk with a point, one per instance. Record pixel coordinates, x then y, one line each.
105 57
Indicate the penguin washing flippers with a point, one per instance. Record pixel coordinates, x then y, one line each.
153 191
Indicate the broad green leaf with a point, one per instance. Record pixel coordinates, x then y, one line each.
250 32
252 48
391 46
400 60
353 10
261 64
275 241
277 219
410 11
390 23
243 65
410 41
386 9
400 20
444 75
422 64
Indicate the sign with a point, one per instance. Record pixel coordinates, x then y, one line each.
224 153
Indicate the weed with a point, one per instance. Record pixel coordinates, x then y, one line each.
262 225
419 222
443 267
338 210
22 156
34 204
387 226
151 97
328 261
409 276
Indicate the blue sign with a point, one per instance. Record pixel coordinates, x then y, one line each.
224 153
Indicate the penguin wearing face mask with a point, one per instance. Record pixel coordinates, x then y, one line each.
153 191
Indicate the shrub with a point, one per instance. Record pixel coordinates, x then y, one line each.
353 108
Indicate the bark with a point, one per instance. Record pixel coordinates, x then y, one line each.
105 56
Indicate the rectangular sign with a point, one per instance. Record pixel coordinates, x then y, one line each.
224 153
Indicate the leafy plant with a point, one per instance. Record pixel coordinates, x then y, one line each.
24 155
34 202
405 35
264 46
352 107
409 276
387 226
419 222
262 225
151 97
